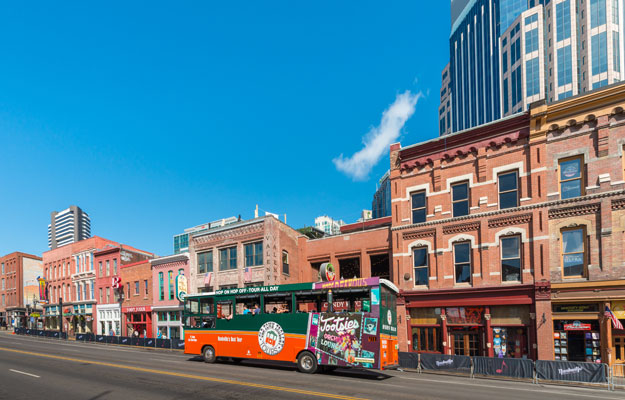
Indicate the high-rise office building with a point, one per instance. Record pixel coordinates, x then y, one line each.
381 204
328 225
68 226
507 54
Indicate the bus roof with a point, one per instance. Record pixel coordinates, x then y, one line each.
339 284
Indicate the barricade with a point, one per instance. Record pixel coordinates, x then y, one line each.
163 343
569 371
149 342
80 337
408 360
505 367
618 376
177 344
442 362
125 340
100 338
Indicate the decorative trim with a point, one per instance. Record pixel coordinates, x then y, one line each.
510 220
467 227
618 204
582 209
419 234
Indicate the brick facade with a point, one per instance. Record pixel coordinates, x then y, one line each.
18 286
137 304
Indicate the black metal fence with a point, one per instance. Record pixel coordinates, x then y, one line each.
172 344
514 368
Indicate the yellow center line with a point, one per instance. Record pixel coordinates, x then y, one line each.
189 376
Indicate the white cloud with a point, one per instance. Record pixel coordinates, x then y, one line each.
377 141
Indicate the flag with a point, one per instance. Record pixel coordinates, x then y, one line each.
615 322
248 275
207 279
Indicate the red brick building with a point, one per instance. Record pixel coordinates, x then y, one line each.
470 242
137 304
585 187
70 275
19 289
108 263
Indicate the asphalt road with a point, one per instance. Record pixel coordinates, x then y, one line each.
34 368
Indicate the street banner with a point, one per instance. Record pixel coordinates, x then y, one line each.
181 287
445 362
177 344
571 371
512 367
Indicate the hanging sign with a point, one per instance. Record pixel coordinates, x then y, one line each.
181 287
327 272
43 290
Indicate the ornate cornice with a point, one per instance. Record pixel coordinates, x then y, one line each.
466 227
419 234
233 234
618 204
510 220
581 209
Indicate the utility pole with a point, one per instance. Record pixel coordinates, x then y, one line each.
61 315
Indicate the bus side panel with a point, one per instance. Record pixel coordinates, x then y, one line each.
389 351
245 344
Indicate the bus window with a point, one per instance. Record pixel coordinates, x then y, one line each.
247 304
192 306
224 309
208 322
348 300
308 301
279 303
206 306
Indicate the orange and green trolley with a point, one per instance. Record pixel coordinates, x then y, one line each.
343 323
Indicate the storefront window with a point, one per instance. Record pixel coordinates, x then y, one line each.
510 342
426 339
575 340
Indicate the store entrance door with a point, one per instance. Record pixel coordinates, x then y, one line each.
465 342
618 347
577 346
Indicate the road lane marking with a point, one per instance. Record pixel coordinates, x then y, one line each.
189 376
24 373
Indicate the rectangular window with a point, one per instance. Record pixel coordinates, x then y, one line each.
533 77
505 96
100 295
145 284
616 50
161 286
285 262
418 207
136 288
108 268
531 41
508 190
460 199
108 295
421 267
115 266
573 252
532 18
565 66
127 290
615 16
92 289
511 259
599 84
170 277
599 53
462 262
205 262
253 254
100 268
597 13
571 178
504 62
228 258
563 20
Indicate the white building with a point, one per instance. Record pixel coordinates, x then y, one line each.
329 225
68 226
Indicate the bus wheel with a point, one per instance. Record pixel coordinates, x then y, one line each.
307 363
209 354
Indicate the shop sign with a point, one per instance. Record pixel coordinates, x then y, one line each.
576 326
326 272
618 309
181 287
136 309
575 308
35 315
464 315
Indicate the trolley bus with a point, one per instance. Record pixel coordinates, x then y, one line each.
343 323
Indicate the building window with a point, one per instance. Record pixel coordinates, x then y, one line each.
597 13
533 77
108 295
145 284
565 66
161 286
599 53
136 288
115 266
426 339
616 50
228 258
460 199
531 41
511 258
571 178
170 277
421 267
563 20
573 252
253 254
205 262
509 190
100 295
285 262
462 262
100 268
108 268
418 207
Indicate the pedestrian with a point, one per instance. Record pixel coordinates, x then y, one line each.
256 309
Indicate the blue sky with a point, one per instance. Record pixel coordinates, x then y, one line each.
157 116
